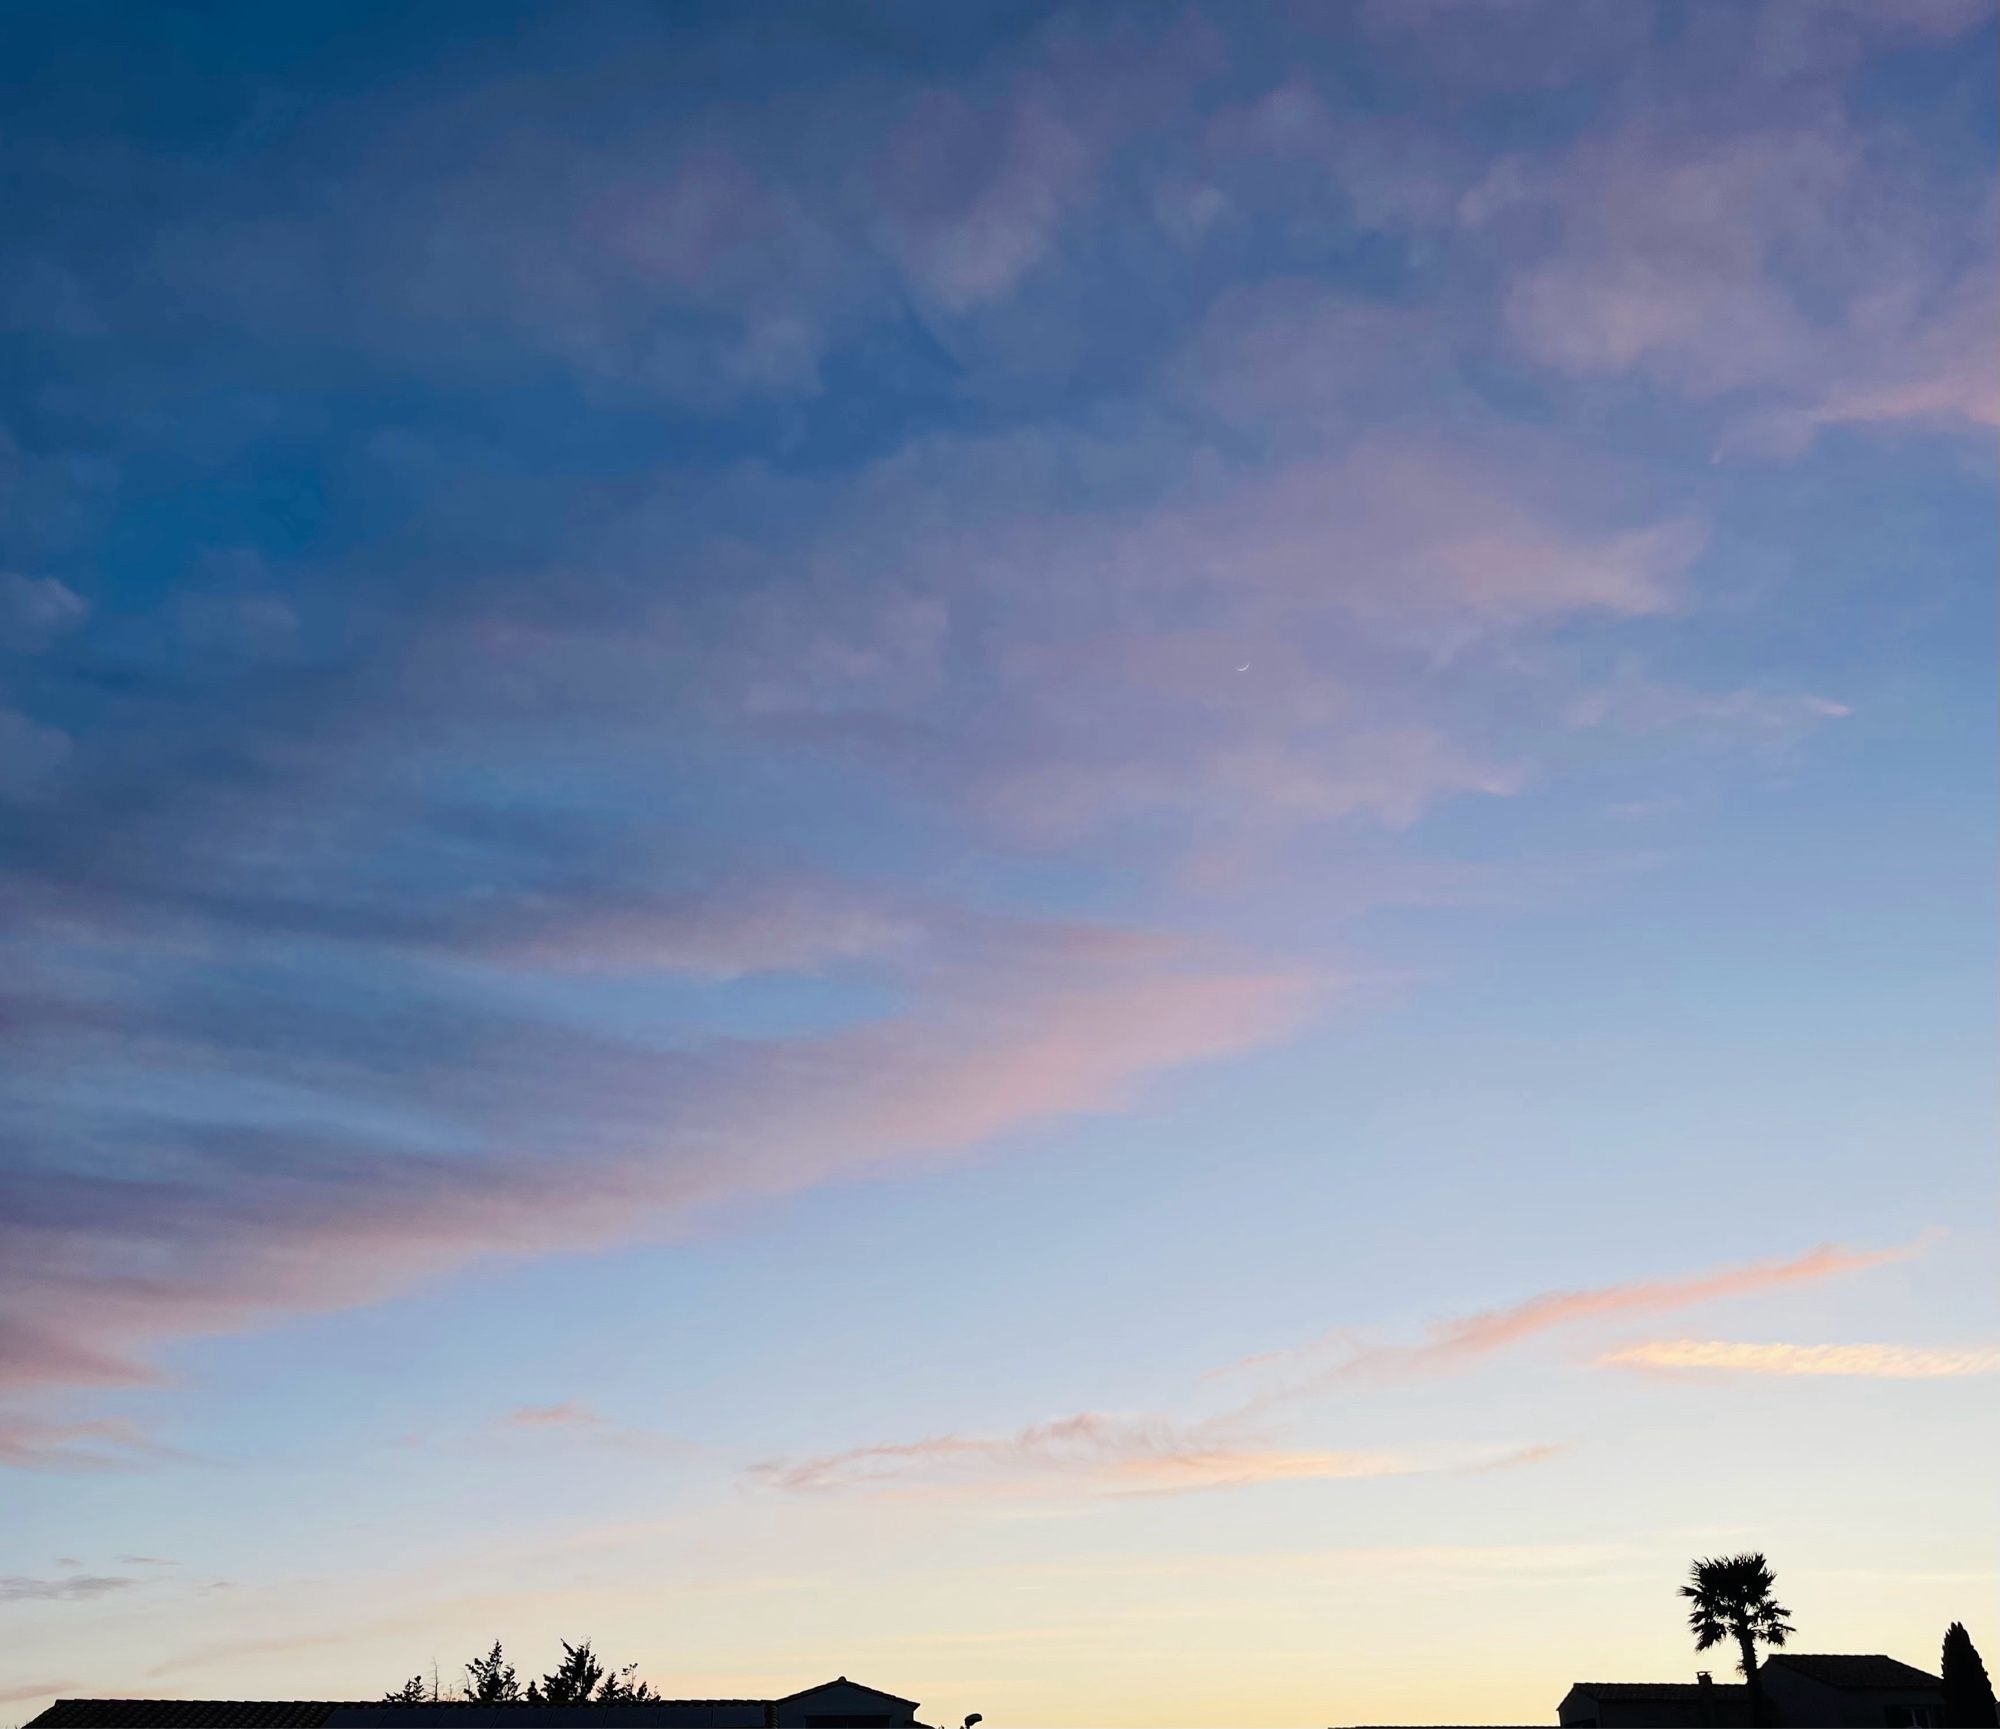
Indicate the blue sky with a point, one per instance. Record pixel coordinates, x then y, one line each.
1133 865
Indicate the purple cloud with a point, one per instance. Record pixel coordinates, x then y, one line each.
552 1139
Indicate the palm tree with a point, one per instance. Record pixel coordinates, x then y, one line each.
1732 1600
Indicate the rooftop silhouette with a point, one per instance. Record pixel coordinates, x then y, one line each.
836 1704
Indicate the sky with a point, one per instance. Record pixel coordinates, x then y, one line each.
1130 864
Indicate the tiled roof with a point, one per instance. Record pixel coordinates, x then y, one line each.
388 1714
1658 1689
187 1714
356 1713
1854 1673
1726 1702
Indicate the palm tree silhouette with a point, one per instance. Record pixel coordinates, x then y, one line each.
1732 1600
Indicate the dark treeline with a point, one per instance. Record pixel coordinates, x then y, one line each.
579 1679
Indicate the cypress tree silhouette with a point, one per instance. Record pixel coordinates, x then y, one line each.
412 1692
1732 1600
1968 1694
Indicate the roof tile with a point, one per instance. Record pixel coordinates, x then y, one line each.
1857 1673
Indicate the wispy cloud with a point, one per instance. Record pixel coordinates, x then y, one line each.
1764 257
200 1656
251 1223
568 1415
372 913
34 1690
572 1422
976 189
35 610
32 1443
1646 705
1875 1362
1467 1339
74 1588
1092 1453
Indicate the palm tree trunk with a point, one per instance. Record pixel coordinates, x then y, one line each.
1747 1643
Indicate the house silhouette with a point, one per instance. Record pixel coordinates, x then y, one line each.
1822 1691
1804 1691
836 1704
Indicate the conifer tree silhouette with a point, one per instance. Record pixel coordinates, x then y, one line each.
570 1682
490 1680
1968 1693
579 1679
620 1689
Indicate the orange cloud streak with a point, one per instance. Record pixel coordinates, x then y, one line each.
1883 1362
1470 1337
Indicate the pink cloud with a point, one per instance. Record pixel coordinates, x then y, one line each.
576 1423
725 933
585 1142
1468 1339
1911 360
1684 257
46 1352
569 1414
1402 532
1052 1050
1255 650
1297 358
1061 670
31 1443
974 241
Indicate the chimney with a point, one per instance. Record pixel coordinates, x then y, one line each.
1706 1682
